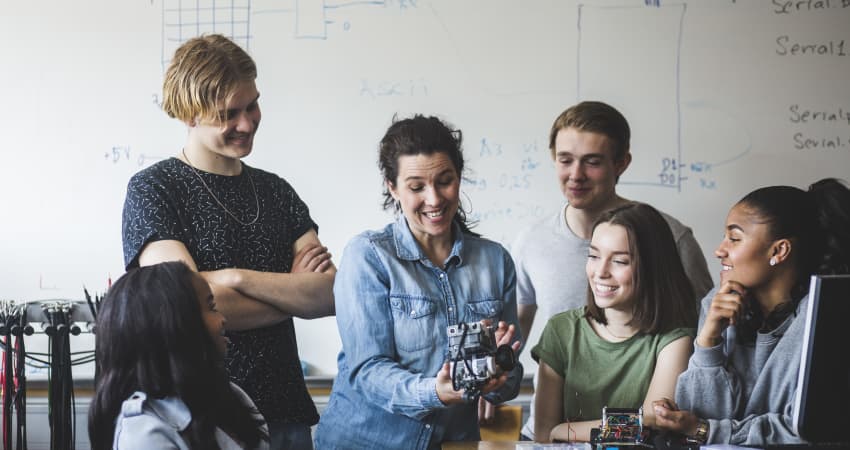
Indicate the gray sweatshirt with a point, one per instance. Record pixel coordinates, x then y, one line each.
746 391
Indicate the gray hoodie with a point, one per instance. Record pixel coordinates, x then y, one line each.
746 391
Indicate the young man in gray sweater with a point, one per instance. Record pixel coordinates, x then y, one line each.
590 149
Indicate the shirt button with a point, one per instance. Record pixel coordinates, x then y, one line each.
412 313
451 309
428 426
442 275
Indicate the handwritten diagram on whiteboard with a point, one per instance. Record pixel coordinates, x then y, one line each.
642 66
183 19
642 70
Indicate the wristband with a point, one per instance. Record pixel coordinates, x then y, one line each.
701 435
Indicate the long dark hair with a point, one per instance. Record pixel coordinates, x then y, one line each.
420 135
817 221
151 338
664 297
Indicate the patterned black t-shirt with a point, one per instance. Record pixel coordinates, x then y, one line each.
167 201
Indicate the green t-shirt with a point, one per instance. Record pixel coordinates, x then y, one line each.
596 372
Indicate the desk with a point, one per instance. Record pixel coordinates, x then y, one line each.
483 445
511 445
506 445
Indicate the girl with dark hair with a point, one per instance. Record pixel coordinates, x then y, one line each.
160 355
631 341
742 378
397 291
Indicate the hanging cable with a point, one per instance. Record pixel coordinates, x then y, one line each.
7 374
94 306
21 329
59 378
57 322
13 324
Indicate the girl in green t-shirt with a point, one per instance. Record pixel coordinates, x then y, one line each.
631 341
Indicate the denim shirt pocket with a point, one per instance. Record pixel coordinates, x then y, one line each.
485 309
414 322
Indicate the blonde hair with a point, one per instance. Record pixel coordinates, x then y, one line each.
204 72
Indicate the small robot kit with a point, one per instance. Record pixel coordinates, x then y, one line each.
620 427
623 428
475 359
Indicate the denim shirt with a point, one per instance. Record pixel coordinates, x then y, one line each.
146 423
393 307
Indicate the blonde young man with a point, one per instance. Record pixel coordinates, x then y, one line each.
243 229
590 148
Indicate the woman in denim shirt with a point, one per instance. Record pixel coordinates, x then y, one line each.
396 292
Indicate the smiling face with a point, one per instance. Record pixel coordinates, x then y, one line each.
427 188
213 320
610 268
231 134
586 168
746 248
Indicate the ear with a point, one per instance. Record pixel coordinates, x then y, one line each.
780 250
623 164
392 189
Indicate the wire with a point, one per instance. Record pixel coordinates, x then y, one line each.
21 393
13 323
56 323
60 381
83 352
459 356
46 364
8 389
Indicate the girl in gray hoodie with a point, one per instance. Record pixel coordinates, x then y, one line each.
741 380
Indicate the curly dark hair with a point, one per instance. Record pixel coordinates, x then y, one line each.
414 136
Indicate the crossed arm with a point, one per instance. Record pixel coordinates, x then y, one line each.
254 299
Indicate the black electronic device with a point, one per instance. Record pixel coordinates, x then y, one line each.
474 357
622 428
823 395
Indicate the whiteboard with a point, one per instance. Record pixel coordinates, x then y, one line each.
722 96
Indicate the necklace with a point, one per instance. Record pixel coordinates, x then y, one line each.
204 183
605 325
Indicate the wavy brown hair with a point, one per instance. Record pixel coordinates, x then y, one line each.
420 135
